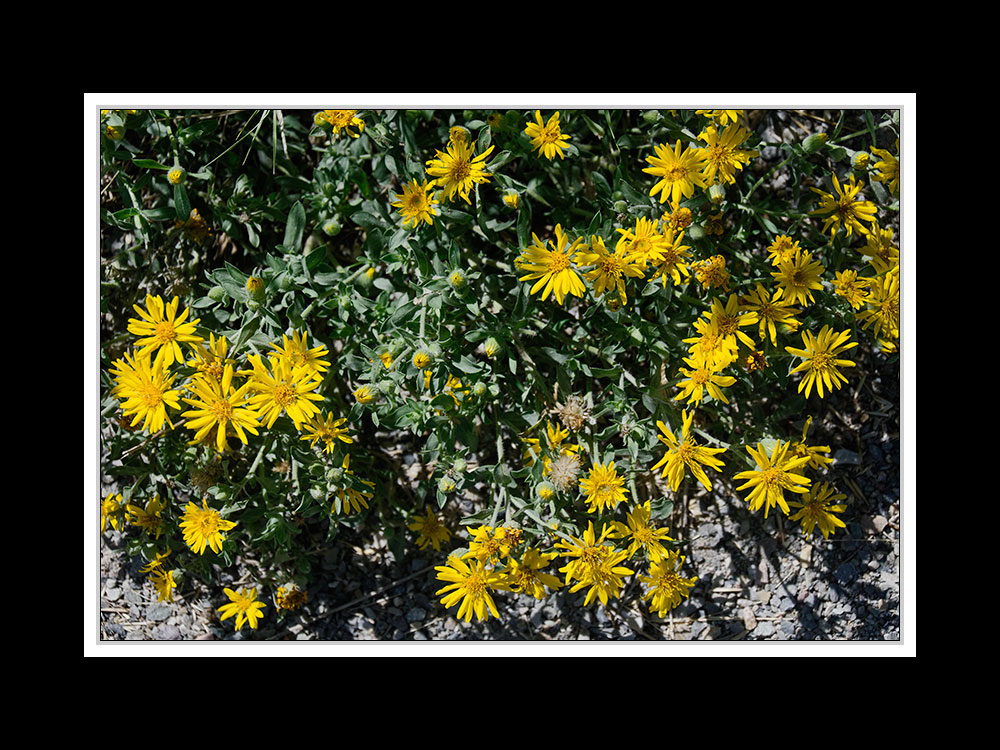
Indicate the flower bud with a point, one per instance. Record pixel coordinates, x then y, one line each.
511 198
331 227
620 207
813 143
860 160
491 347
479 388
446 484
176 175
546 490
256 288
421 359
334 475
217 294
365 394
459 465
457 279
716 193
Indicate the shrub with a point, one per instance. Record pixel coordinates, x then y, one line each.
569 318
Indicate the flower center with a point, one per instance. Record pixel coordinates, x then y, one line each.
684 451
460 170
821 360
643 534
165 331
700 377
222 410
152 396
675 174
558 262
772 477
611 266
474 585
284 394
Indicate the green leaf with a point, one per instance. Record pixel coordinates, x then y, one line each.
150 164
295 226
181 203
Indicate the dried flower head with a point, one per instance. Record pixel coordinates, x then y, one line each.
574 412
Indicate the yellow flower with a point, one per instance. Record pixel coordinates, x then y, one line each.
703 375
145 390
416 204
220 407
609 268
349 499
723 155
888 169
486 545
594 563
298 353
211 361
667 588
149 518
771 309
243 604
470 585
457 171
881 249
525 576
774 474
796 278
851 287
603 487
341 120
882 307
711 272
782 249
290 598
548 138
175 175
643 244
164 583
553 268
203 527
431 530
679 173
820 359
324 427
511 198
684 454
714 349
284 388
843 209
112 512
162 330
642 533
671 256
721 116
816 509
815 453
730 318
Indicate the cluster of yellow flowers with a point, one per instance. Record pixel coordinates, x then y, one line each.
502 559
287 383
